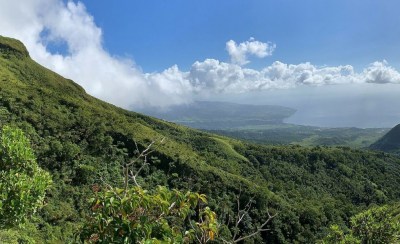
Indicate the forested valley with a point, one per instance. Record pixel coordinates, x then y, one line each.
184 186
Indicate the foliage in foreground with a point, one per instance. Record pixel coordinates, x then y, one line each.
23 183
376 225
138 216
133 215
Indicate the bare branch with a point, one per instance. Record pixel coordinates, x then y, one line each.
199 241
241 213
238 218
134 176
172 206
128 173
259 228
106 184
225 241
145 152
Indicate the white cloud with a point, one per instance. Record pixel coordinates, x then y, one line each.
119 81
381 73
239 52
214 76
40 22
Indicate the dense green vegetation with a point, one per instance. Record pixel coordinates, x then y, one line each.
221 115
389 142
22 182
83 141
134 216
376 225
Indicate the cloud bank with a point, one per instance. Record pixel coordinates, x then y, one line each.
41 24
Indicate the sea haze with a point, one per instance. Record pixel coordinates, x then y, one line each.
221 115
357 105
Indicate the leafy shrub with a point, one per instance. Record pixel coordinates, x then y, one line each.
375 225
136 216
22 182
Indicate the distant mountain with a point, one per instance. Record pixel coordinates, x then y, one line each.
389 142
221 115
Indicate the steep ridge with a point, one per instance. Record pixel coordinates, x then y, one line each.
84 141
389 142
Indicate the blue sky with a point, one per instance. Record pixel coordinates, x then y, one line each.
158 34
315 56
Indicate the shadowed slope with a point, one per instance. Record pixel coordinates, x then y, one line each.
389 142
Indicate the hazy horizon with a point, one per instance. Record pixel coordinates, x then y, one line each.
362 106
337 63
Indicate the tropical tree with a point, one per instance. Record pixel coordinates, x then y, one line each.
375 225
132 214
23 183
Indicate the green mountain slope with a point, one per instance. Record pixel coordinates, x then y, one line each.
221 115
83 141
389 142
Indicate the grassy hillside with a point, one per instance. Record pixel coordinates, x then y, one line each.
389 142
82 141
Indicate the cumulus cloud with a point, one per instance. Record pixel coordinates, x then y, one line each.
214 76
381 73
239 52
41 23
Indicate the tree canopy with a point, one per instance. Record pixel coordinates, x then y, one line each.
23 183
